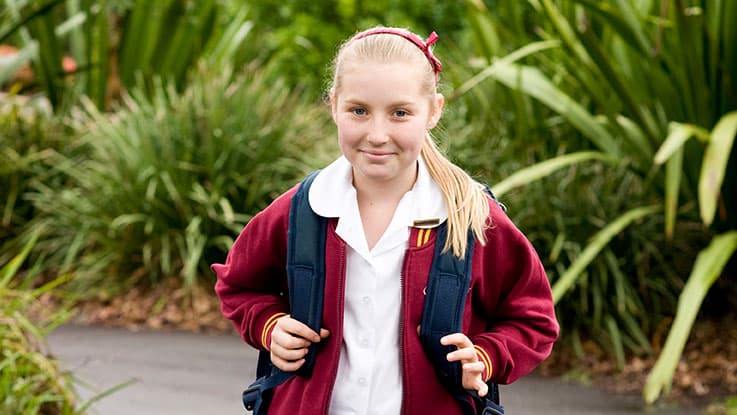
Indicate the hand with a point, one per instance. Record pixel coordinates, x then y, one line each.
290 339
473 369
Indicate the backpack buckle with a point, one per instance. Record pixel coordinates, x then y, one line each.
251 396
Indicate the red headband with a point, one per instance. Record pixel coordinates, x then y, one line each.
423 45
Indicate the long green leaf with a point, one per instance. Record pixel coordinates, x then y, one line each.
44 9
141 36
678 135
598 242
566 31
190 29
518 54
7 272
534 83
708 267
545 168
673 174
98 49
621 18
714 165
483 29
48 63
220 49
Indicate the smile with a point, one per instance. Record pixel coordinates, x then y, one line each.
377 155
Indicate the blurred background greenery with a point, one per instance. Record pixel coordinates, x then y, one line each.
138 137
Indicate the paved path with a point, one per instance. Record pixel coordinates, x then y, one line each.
175 373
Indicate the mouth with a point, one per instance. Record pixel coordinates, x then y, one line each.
376 155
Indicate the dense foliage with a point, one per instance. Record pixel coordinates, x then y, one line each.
172 178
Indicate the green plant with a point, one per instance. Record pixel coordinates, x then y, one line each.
111 41
301 36
727 406
31 381
31 141
625 74
170 179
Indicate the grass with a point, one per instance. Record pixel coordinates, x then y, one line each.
31 381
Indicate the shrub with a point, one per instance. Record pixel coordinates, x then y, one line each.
172 178
31 142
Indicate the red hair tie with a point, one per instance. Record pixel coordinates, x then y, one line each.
423 45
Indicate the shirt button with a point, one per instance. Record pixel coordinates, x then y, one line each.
367 300
362 381
365 342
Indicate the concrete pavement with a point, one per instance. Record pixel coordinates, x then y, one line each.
174 373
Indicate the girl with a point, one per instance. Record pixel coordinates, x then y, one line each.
384 197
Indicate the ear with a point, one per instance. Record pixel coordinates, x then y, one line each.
333 104
436 111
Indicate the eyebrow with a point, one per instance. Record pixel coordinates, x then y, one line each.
356 101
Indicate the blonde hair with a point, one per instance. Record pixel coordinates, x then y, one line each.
465 199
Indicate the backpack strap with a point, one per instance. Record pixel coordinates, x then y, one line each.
445 299
306 265
442 313
305 273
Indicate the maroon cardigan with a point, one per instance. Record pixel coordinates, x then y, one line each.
509 314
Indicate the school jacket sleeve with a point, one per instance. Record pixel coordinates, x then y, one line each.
252 284
513 294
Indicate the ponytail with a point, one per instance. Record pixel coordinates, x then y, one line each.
467 203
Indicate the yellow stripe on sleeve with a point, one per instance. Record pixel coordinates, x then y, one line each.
270 323
486 359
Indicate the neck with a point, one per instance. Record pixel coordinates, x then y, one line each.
390 190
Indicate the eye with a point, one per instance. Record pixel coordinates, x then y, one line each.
359 111
400 113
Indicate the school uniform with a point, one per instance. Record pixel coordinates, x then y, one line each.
373 361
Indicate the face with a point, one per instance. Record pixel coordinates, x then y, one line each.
382 118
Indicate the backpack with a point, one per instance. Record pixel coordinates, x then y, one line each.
445 298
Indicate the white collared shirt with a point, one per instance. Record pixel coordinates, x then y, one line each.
369 373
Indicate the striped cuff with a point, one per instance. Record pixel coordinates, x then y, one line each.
484 357
268 327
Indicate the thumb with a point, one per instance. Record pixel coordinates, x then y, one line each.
324 333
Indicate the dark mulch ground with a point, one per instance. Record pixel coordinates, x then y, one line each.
708 366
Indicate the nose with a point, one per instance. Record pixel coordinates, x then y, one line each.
378 132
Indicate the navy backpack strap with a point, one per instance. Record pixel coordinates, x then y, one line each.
445 299
488 191
306 265
305 273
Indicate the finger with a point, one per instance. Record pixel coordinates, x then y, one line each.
467 355
285 365
324 333
297 328
459 340
288 354
287 340
475 368
482 389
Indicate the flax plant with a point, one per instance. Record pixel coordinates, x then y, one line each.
172 178
113 42
637 80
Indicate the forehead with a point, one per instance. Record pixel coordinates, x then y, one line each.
381 81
